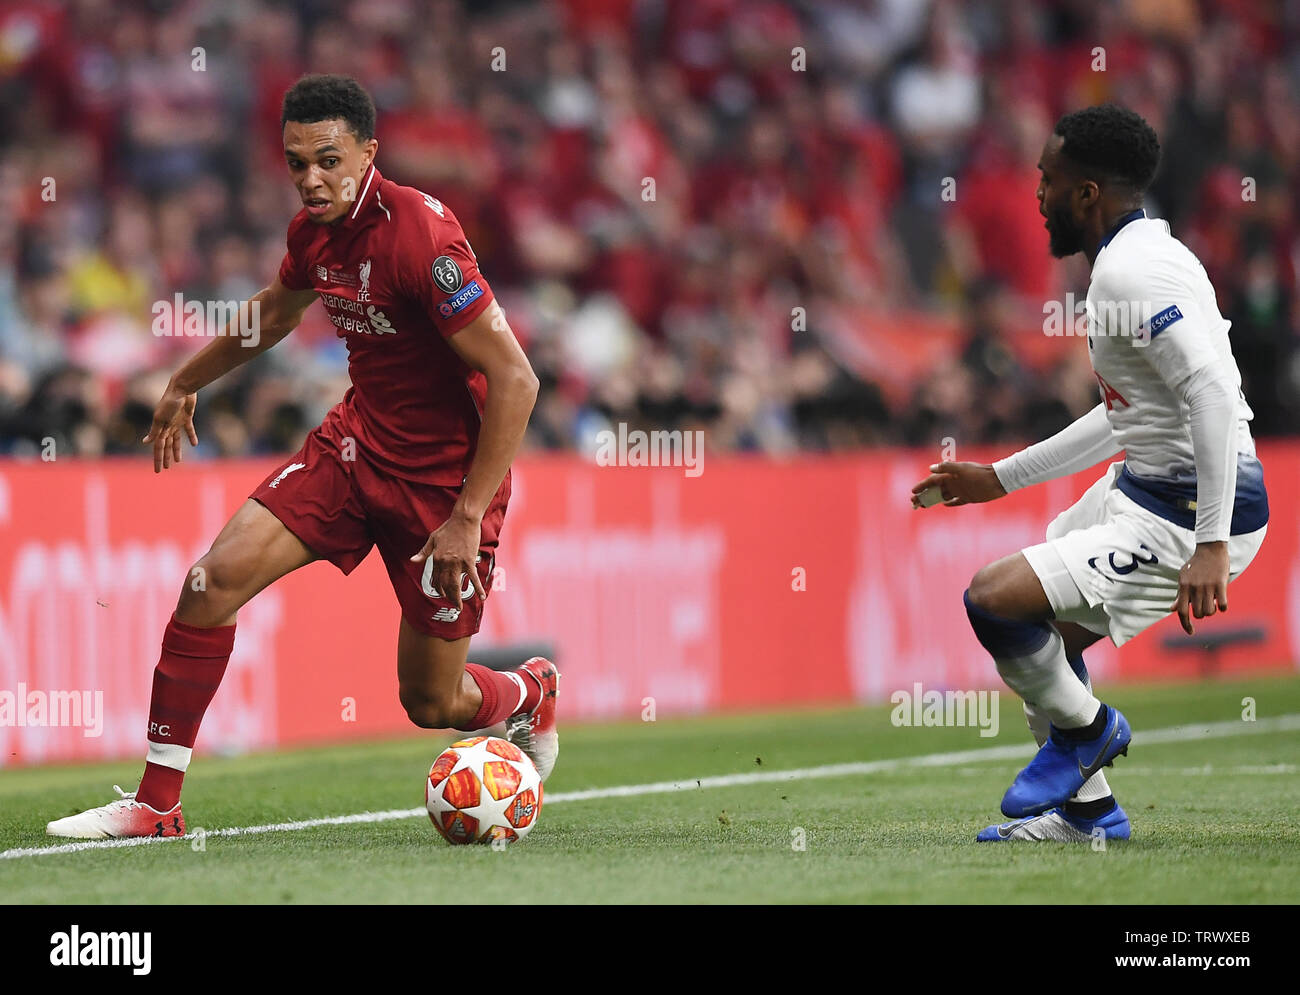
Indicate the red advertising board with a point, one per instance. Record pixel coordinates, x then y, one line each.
755 584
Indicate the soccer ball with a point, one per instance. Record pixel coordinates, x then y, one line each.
481 790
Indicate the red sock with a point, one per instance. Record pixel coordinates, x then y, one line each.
501 695
187 676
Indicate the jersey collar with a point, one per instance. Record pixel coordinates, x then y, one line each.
1131 216
368 194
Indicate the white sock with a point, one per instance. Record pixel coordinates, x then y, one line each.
1044 679
523 691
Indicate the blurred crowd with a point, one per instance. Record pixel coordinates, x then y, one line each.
796 225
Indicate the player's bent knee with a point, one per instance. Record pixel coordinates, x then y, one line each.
1009 588
985 590
225 572
426 717
213 589
427 712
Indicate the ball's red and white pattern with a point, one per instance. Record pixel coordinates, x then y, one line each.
483 789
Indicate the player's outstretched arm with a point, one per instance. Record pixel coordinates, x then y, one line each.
263 320
958 484
1083 443
488 345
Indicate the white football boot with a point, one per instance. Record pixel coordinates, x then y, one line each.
1054 826
120 818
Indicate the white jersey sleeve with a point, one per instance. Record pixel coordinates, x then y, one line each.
1182 357
1081 444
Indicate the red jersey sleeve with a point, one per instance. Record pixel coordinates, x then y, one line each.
443 271
294 272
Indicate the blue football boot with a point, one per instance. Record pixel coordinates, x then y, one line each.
1062 766
1056 826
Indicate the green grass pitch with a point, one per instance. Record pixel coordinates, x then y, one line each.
1215 819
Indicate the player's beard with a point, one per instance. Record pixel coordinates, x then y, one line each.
1065 238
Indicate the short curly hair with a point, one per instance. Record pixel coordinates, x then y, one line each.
1112 143
324 97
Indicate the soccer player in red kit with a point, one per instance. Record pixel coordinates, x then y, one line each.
415 459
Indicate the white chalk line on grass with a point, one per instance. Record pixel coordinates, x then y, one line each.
1172 734
1206 770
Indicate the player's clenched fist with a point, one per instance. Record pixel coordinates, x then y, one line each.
957 484
173 415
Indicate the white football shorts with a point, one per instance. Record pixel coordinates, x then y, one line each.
1112 566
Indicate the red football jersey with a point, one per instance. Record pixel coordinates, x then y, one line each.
398 278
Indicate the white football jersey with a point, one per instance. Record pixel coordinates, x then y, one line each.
1170 389
1153 321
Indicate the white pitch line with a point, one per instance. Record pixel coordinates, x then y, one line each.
1172 734
1207 770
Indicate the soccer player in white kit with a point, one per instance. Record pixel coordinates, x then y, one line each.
1162 531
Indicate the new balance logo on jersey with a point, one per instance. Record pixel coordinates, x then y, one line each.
285 472
446 615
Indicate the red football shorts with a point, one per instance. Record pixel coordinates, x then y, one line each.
341 507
